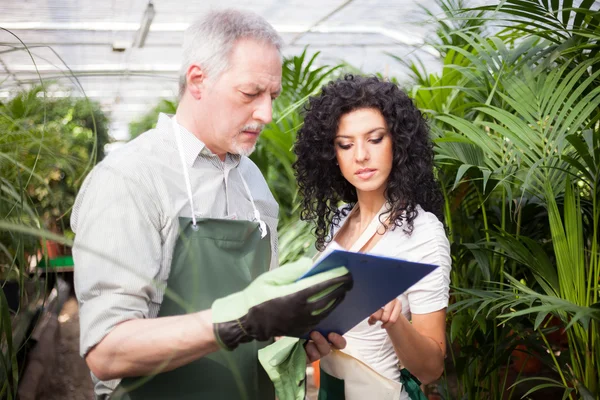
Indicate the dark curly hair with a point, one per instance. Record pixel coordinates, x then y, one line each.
322 186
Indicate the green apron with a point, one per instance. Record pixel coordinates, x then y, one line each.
212 258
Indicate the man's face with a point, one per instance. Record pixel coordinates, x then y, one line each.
238 104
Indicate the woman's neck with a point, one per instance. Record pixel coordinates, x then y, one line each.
369 205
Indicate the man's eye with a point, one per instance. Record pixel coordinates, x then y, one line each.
250 95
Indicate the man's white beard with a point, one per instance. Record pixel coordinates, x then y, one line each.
243 150
239 148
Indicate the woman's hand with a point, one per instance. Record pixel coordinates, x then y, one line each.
318 347
388 314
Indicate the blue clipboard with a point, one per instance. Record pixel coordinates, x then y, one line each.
377 281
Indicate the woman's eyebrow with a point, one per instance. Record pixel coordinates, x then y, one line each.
366 133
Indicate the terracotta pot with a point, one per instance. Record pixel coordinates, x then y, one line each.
525 362
559 336
53 249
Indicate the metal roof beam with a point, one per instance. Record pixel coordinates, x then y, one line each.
398 36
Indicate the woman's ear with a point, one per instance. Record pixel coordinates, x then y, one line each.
195 79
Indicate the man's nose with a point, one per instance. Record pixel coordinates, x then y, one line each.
264 110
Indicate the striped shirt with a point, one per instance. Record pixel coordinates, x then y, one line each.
126 223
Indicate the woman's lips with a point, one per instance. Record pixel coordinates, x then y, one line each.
365 173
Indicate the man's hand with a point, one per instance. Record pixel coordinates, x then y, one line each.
388 314
318 347
278 303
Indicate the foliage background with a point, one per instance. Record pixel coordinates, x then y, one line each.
515 116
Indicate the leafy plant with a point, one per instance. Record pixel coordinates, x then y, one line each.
515 116
148 120
47 146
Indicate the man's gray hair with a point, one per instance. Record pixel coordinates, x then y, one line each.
209 41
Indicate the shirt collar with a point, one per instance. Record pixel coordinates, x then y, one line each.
192 146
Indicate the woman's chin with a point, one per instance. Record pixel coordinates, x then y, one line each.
368 187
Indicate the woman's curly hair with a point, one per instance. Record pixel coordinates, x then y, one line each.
322 186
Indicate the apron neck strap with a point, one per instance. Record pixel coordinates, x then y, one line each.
370 231
188 186
261 223
186 175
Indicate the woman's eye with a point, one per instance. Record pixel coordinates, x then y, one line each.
378 140
344 146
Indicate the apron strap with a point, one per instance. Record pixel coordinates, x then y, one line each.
186 175
370 231
188 186
261 223
367 234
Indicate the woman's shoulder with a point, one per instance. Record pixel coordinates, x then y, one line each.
425 224
428 235
428 221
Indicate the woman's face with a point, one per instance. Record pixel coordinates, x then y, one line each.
363 148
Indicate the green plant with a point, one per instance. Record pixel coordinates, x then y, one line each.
46 148
148 120
515 116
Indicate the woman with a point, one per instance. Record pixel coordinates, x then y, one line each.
365 144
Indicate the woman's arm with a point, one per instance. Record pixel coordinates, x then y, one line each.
420 346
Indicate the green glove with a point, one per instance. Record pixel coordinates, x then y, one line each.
274 304
285 363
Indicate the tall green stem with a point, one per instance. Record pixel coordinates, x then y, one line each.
447 214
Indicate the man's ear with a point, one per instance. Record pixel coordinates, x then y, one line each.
195 81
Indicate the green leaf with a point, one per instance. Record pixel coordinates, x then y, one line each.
459 175
539 319
459 325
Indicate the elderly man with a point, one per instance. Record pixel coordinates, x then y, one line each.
176 231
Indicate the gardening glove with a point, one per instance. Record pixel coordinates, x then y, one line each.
285 363
278 304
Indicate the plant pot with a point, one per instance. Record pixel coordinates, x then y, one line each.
525 361
559 336
12 292
53 249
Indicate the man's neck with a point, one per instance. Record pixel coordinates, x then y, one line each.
187 119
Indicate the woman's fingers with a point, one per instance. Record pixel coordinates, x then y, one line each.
323 346
318 347
336 340
394 315
387 311
376 316
388 314
312 353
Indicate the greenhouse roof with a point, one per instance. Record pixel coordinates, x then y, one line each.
102 43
